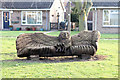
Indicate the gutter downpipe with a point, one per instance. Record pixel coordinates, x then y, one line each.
46 20
95 19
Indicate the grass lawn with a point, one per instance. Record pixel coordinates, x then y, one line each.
11 68
76 32
16 33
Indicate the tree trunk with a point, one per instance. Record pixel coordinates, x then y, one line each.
83 8
86 26
83 22
69 17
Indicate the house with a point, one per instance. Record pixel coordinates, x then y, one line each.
103 16
31 13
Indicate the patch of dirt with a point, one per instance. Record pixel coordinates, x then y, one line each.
98 57
58 59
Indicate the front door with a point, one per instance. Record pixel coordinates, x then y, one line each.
6 20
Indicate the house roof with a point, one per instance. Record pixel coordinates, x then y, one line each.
101 3
105 4
27 5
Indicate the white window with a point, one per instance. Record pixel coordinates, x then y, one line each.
31 18
110 18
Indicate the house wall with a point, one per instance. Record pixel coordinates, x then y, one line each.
0 4
16 14
100 26
0 20
57 8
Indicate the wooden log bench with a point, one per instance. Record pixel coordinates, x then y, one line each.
84 43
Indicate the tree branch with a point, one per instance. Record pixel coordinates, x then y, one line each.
88 6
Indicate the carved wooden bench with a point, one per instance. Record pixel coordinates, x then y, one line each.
84 43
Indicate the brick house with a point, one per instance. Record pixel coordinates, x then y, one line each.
30 13
103 16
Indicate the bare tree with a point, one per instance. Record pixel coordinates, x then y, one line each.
83 8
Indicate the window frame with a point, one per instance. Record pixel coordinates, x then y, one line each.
109 18
27 15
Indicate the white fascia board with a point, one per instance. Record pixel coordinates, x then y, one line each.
63 6
52 4
106 7
26 9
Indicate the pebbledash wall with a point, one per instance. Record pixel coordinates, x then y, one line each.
100 26
16 13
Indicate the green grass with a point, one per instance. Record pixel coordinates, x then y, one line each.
76 32
16 33
107 68
110 35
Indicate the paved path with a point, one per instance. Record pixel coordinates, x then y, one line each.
48 32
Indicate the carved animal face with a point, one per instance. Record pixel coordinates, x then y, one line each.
64 35
65 38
